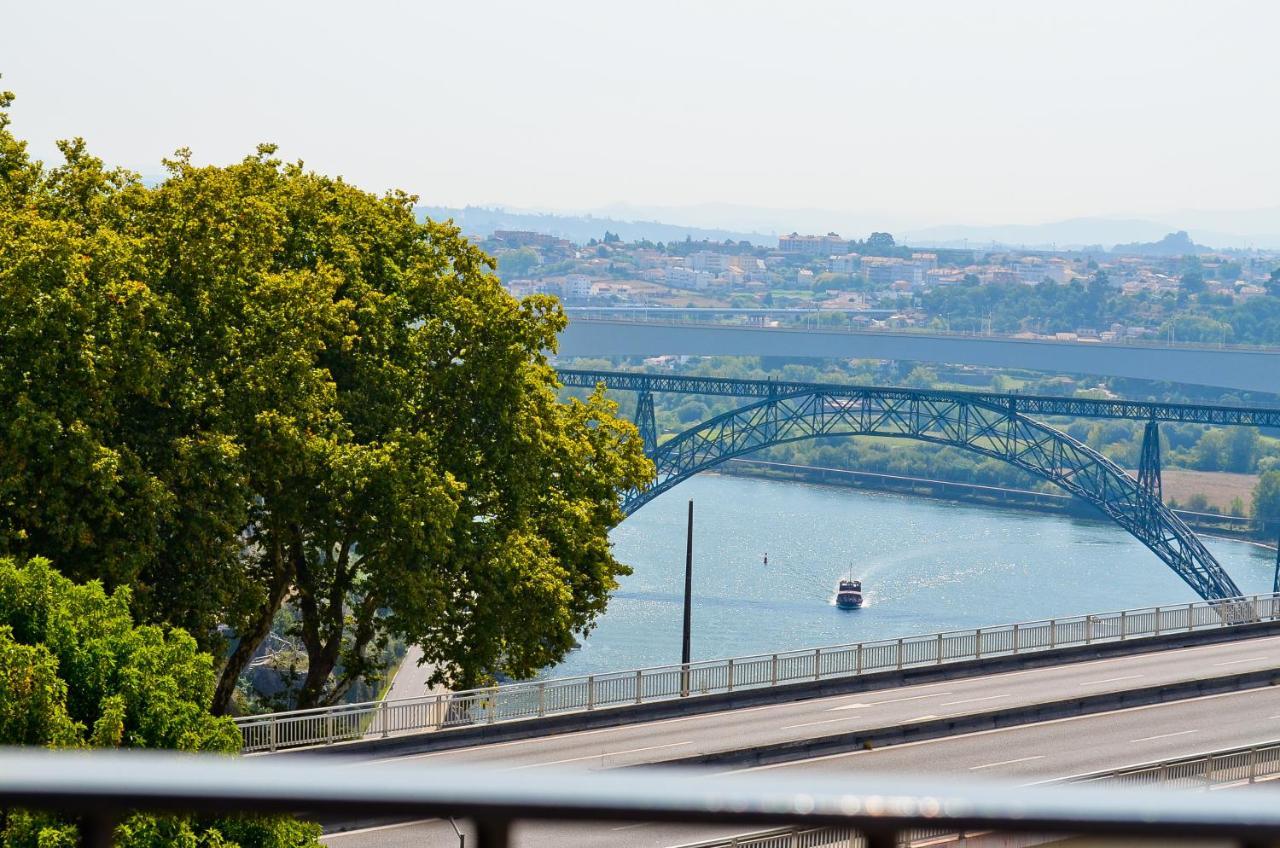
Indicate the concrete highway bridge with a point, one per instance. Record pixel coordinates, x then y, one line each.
1041 714
1245 369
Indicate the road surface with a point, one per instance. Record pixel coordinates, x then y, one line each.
1028 753
667 739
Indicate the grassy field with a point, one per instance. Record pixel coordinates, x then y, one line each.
1218 487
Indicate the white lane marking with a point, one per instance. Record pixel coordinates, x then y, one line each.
359 830
1064 666
852 718
631 826
1241 660
1022 727
1165 735
816 723
571 734
601 755
863 705
1111 680
1007 762
973 700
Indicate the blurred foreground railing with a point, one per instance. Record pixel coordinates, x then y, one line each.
1216 770
100 788
536 699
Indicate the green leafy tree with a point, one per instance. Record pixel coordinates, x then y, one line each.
1266 499
878 243
1243 447
922 377
75 671
517 263
254 385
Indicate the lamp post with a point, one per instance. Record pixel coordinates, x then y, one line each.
688 604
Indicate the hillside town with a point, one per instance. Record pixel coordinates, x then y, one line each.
877 283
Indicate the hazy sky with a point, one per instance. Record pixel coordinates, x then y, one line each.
937 112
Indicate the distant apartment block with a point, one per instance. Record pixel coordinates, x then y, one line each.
882 270
523 288
733 276
687 278
610 289
577 286
850 263
797 245
943 277
706 260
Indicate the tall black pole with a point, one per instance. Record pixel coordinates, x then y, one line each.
1275 582
688 588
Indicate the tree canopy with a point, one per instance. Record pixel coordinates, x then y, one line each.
75 671
255 385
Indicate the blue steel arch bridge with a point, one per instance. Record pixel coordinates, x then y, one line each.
993 424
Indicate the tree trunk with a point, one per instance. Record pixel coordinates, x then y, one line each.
322 650
252 636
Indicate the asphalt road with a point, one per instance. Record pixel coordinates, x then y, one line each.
1028 753
668 739
411 678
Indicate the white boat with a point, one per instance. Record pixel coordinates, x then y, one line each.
849 594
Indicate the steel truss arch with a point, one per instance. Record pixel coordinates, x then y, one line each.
1000 432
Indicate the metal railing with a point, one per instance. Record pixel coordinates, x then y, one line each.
1247 764
1217 769
540 698
101 787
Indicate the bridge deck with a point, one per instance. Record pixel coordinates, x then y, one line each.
1035 405
1251 370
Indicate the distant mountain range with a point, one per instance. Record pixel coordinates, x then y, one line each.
481 222
1173 244
1221 230
1256 229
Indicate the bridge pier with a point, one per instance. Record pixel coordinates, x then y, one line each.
645 422
1149 463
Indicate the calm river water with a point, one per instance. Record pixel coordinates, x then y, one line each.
926 565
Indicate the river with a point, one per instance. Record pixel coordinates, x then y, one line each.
926 565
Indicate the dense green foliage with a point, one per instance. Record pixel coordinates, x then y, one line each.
1266 499
253 386
75 671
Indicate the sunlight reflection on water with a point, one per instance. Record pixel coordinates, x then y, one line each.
925 565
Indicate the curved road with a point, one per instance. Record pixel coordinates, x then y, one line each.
1030 753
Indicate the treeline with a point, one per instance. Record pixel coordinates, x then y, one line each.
1097 304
